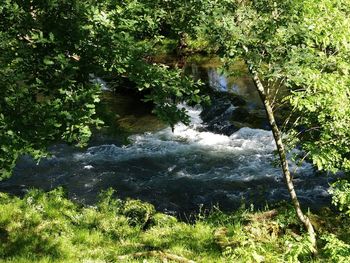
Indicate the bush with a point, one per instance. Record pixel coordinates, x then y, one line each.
138 213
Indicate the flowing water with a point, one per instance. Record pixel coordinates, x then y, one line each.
176 171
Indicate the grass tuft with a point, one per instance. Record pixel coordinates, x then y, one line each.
48 227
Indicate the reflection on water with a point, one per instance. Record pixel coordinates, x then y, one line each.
238 83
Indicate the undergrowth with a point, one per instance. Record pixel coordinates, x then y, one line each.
47 227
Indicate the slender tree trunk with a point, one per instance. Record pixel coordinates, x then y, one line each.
283 158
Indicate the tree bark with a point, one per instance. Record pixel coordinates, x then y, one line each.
282 155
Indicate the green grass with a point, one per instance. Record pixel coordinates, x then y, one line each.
47 227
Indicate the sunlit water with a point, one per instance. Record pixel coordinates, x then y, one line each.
176 171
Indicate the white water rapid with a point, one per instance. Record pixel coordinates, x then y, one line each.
175 171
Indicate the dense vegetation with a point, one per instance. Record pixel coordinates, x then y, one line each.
47 227
50 53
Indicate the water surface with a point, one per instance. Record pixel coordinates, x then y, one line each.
176 171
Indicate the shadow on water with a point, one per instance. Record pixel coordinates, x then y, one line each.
177 172
123 114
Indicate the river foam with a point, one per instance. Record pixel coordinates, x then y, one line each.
177 171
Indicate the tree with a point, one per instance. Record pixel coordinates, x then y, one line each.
301 47
45 93
48 51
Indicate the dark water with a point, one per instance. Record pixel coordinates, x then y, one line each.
177 172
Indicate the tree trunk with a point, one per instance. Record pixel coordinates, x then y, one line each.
283 159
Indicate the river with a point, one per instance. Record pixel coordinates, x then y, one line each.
176 171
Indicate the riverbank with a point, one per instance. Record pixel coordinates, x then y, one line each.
47 227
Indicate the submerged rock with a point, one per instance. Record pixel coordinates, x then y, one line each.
229 112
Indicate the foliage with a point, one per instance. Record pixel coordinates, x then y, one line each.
340 192
336 249
48 53
45 94
301 47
